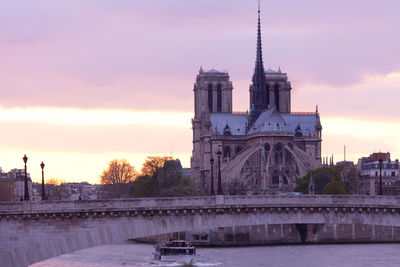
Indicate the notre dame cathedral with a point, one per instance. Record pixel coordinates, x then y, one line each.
262 151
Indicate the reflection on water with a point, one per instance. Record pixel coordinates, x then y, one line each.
134 254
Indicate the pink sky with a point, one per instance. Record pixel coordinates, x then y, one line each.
85 82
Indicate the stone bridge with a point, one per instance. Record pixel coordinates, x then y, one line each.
34 231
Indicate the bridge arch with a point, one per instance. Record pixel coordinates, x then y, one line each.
44 231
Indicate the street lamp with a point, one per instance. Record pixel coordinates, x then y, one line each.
219 189
212 177
43 191
380 191
26 194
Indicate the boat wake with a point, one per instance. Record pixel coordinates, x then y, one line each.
206 264
176 264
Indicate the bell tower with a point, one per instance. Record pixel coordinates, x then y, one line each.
279 88
212 92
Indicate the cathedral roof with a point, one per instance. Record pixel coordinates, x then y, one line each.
237 123
269 121
307 122
273 121
300 124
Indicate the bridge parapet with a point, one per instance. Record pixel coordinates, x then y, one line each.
197 202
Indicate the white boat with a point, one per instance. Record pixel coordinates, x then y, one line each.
177 251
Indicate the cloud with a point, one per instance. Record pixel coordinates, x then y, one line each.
94 131
375 98
102 54
361 137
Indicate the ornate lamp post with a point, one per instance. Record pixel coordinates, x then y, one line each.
26 195
219 189
43 189
380 191
212 177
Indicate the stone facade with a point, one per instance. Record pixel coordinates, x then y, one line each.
18 176
264 150
370 170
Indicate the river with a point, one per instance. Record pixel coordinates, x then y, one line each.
136 254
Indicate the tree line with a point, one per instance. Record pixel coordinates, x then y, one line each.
338 179
159 177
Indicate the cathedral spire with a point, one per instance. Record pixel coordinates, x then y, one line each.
259 74
258 95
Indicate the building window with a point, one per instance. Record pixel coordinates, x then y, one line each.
393 174
267 148
275 178
210 98
376 174
278 153
219 98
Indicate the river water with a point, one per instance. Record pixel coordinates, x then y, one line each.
136 254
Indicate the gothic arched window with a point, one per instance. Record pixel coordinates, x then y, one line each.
275 178
278 153
210 98
267 148
219 97
276 100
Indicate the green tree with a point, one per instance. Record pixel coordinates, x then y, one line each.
350 176
143 186
321 177
334 188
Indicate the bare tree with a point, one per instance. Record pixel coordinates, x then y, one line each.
119 171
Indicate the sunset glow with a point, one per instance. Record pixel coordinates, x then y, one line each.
84 83
89 117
